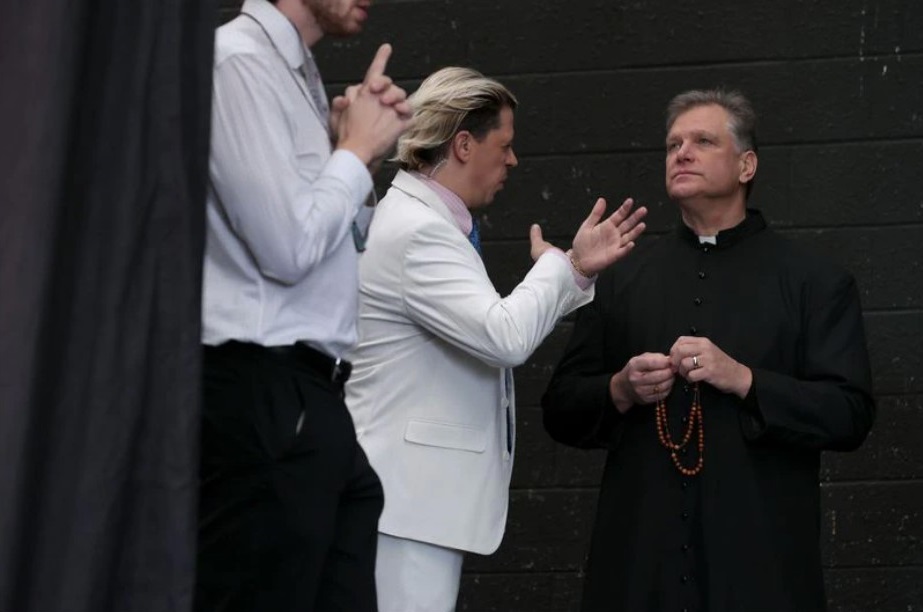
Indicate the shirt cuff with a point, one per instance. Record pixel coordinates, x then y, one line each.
352 171
584 282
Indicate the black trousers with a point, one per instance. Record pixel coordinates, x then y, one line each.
289 505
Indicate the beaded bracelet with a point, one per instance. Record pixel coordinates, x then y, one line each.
574 262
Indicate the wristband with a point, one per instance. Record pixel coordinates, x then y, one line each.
576 263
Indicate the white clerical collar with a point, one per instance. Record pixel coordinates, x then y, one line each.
708 240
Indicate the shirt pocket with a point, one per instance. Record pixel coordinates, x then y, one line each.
310 158
310 143
446 435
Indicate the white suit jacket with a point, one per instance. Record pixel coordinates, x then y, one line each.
428 393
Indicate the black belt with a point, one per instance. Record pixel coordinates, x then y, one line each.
334 369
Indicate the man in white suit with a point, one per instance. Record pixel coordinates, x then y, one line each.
431 393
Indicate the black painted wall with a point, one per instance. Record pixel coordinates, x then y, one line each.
839 87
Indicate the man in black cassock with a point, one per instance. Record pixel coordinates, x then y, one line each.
714 365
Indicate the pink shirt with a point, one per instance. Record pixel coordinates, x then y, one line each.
459 211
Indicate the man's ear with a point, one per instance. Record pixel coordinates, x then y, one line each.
748 163
461 145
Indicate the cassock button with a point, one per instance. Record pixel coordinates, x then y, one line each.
697 301
693 330
685 548
685 484
702 275
685 579
685 515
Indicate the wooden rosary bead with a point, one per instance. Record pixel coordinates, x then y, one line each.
695 423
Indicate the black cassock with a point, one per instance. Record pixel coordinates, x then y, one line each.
742 536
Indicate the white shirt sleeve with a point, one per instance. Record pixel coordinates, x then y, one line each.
288 207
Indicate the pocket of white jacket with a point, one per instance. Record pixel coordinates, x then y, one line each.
446 435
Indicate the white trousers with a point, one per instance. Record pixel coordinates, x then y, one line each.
413 576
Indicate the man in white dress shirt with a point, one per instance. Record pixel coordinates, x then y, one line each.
288 501
431 393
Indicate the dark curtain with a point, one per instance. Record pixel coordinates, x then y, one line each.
104 118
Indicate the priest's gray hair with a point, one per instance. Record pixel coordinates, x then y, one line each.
742 123
449 101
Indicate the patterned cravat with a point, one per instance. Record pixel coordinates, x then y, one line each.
475 236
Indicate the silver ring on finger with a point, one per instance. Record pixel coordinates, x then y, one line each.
695 361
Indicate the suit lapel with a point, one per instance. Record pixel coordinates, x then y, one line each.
405 182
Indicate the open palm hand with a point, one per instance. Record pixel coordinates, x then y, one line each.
599 244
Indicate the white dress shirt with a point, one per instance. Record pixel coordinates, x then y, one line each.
280 259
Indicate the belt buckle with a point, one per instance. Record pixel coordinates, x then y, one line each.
335 373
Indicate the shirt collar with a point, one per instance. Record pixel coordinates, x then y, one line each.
281 31
751 224
452 201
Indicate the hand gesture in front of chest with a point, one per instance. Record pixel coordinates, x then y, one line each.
369 118
645 379
601 242
699 360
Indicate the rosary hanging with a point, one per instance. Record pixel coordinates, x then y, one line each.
694 425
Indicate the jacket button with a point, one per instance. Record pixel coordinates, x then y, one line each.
693 330
702 275
697 301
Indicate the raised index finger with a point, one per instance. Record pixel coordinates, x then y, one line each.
379 63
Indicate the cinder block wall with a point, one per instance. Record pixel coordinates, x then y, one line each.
839 87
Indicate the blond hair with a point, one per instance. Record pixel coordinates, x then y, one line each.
449 101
